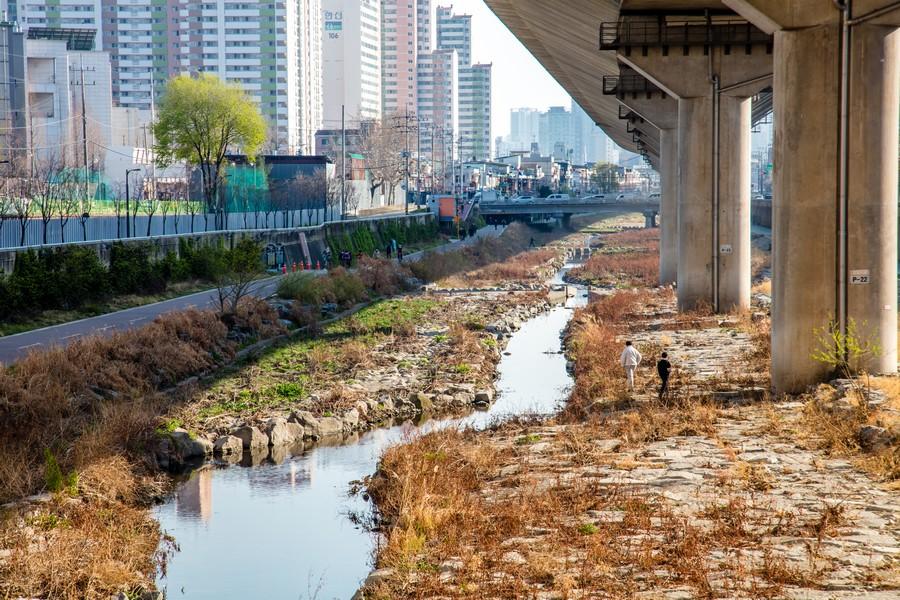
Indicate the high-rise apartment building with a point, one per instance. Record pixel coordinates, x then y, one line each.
399 51
424 25
437 103
475 111
13 92
272 50
454 32
351 51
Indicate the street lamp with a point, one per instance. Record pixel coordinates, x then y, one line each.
128 172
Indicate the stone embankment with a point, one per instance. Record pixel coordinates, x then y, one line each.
378 396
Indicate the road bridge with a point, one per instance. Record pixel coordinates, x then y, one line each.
682 82
539 211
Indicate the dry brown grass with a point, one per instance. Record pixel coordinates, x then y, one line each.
834 427
448 505
626 258
90 549
489 261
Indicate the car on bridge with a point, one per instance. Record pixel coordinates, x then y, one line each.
594 198
523 199
559 198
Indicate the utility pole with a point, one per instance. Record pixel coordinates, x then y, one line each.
343 160
418 159
406 155
81 71
433 170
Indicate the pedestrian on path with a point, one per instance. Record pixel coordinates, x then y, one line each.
399 253
663 367
387 251
630 360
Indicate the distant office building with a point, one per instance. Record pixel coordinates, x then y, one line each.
352 61
588 140
524 127
555 132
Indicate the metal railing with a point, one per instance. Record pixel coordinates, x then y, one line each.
628 33
630 82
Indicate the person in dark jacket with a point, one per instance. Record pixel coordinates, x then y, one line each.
663 367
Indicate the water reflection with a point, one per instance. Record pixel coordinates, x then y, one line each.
280 529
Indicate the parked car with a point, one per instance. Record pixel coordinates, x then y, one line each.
653 196
559 198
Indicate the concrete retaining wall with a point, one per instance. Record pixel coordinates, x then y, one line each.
761 213
281 245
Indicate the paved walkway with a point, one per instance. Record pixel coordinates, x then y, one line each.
14 347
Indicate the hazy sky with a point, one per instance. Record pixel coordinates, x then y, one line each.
518 79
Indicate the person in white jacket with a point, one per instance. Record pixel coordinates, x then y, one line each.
630 360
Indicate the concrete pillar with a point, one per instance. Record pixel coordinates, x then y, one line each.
698 247
734 254
805 215
872 222
668 167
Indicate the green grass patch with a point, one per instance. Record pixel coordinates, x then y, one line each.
525 440
587 529
383 316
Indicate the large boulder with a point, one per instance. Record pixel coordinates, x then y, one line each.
282 433
251 437
873 438
330 426
309 422
351 418
189 446
421 401
229 445
485 396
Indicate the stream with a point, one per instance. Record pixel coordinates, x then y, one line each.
282 531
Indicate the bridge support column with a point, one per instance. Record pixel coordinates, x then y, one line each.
714 203
668 216
814 281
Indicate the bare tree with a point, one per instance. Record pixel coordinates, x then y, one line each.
68 203
382 145
47 187
150 206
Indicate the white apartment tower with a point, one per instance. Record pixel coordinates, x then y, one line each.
351 51
273 50
438 108
454 32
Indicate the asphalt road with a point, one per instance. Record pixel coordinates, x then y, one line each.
14 347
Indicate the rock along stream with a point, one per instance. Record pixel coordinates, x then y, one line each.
283 530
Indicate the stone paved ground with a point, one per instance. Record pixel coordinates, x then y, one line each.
737 510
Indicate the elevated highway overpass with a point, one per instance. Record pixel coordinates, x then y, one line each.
682 82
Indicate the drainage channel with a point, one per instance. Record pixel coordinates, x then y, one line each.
284 530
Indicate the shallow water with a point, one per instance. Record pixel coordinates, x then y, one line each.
283 530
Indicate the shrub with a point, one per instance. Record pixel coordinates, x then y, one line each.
131 271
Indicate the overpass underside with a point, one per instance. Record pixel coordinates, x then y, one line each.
683 82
